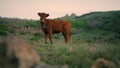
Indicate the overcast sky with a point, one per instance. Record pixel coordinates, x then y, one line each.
56 8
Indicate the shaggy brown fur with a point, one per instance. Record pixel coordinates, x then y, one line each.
49 26
102 63
16 53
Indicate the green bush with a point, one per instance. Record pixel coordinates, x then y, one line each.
98 36
22 33
79 24
31 23
38 34
35 37
3 30
112 26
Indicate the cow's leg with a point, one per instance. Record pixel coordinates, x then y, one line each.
69 36
46 38
50 37
66 36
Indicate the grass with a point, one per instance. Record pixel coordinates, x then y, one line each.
81 52
3 30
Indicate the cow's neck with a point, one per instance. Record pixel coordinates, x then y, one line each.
44 26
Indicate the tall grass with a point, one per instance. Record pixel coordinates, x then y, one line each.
3 30
81 52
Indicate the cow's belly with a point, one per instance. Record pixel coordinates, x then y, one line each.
56 31
53 31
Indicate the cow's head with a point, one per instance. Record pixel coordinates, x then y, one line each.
43 16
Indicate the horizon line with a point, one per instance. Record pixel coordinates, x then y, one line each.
59 16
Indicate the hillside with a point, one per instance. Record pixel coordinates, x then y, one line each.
102 20
109 20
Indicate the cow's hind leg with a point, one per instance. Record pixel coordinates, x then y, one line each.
66 36
69 36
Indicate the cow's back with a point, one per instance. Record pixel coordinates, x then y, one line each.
58 25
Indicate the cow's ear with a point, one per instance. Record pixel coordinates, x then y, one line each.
39 14
47 15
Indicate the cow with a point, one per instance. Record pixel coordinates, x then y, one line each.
50 26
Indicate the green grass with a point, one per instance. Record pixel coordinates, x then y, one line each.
3 30
84 48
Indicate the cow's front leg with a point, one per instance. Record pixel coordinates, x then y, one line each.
46 38
50 37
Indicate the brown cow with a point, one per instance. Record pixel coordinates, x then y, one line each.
49 26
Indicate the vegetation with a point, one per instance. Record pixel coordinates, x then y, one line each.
94 35
3 30
18 22
102 20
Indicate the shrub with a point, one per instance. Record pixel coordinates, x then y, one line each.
3 30
22 33
79 24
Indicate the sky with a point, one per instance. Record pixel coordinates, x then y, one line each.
28 9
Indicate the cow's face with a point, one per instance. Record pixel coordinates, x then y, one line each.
43 16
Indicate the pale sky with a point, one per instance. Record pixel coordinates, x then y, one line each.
56 8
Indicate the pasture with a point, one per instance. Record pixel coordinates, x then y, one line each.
81 52
89 41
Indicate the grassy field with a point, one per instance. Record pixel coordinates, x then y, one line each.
94 35
85 47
